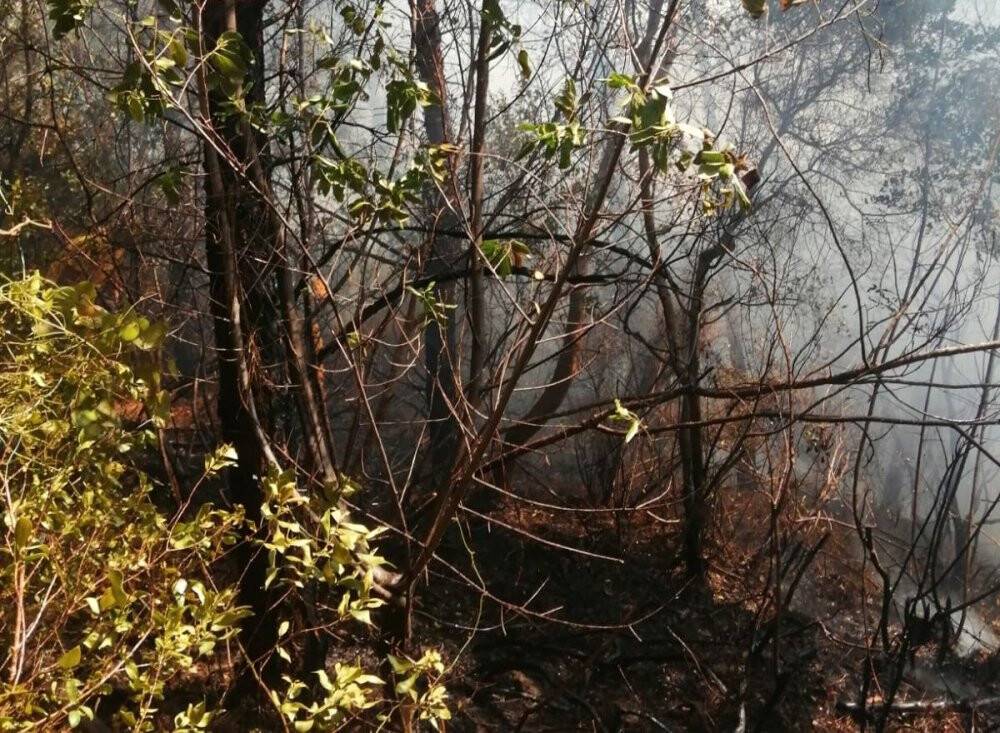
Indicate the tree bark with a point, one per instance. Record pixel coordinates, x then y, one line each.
237 306
476 301
444 252
556 390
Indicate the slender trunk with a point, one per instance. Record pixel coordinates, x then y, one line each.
565 369
684 342
477 296
554 393
470 461
970 542
444 251
691 439
235 318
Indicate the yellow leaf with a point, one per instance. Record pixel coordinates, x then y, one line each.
22 532
70 659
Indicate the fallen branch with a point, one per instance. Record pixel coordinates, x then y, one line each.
16 229
917 707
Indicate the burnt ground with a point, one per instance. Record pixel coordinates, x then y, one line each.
549 639
555 620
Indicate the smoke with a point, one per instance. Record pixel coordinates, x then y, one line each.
887 159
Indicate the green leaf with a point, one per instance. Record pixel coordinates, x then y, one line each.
107 600
524 62
567 101
324 680
68 15
710 157
170 184
664 91
22 532
741 194
151 335
623 414
405 687
399 664
159 407
618 80
117 587
231 58
71 658
364 616
129 331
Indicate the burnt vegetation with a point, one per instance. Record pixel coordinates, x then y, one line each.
501 365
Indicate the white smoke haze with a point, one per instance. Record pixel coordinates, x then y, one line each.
900 149
873 236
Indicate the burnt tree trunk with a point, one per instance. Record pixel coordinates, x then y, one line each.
235 239
444 252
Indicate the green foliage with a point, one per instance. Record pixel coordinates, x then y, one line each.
68 15
652 127
145 89
567 101
231 59
151 85
419 680
434 309
403 95
312 543
100 591
337 177
148 84
323 547
349 692
625 415
504 35
650 119
554 138
504 255
718 174
353 19
722 166
371 195
171 183
194 718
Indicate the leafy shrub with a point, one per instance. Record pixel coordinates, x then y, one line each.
100 592
311 542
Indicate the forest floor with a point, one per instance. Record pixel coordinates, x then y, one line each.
582 619
544 638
